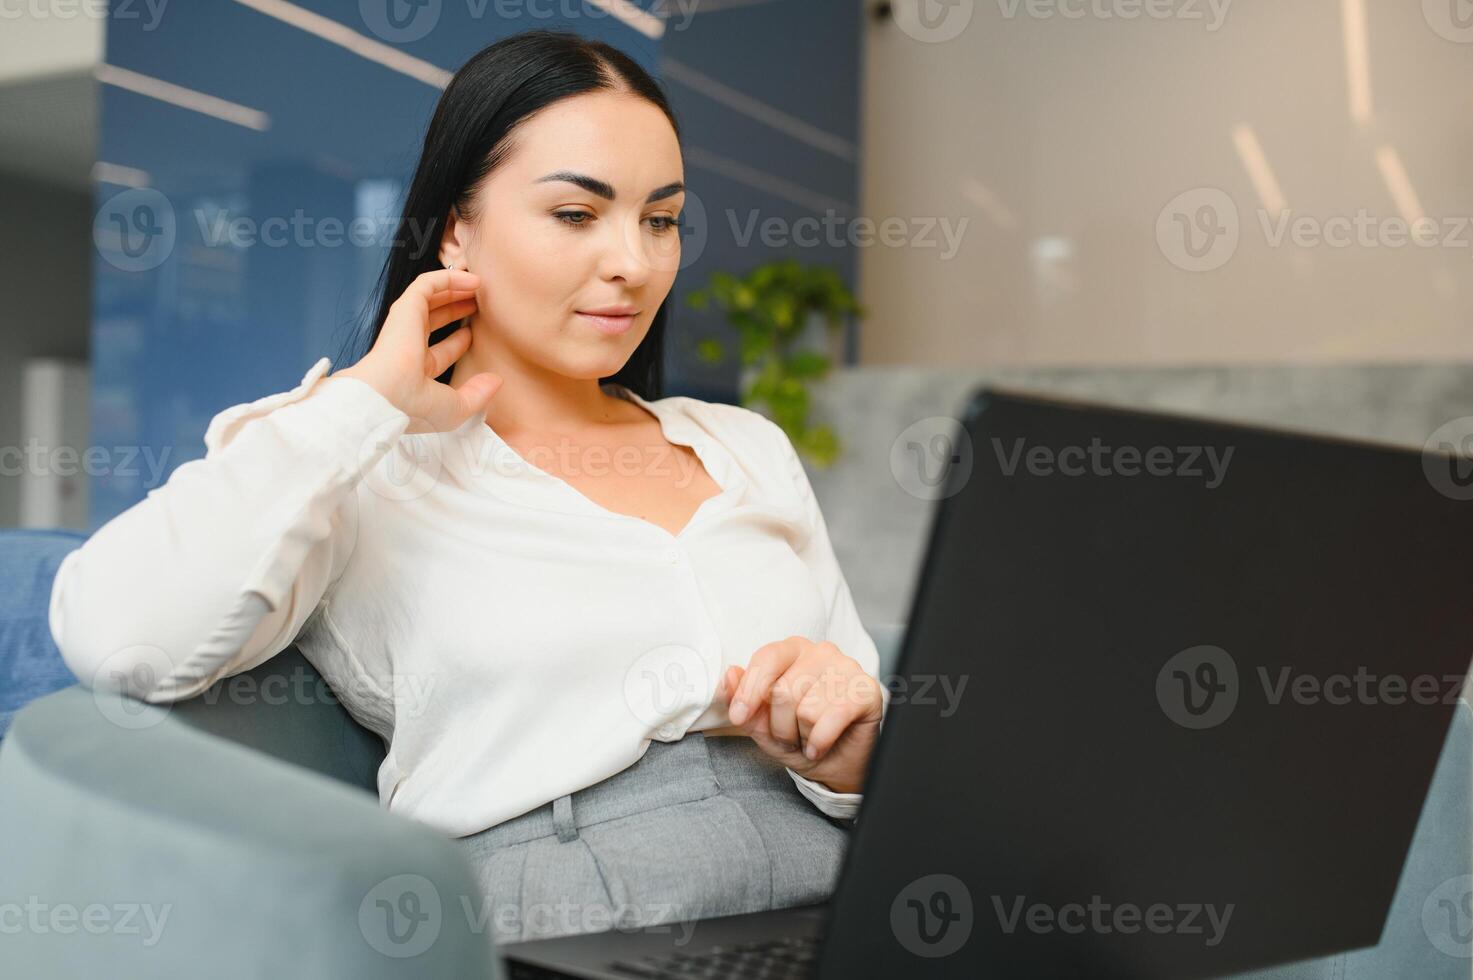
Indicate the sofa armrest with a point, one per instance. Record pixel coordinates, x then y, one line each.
137 845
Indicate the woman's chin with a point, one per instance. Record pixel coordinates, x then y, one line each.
595 367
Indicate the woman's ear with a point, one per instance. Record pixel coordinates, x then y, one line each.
451 256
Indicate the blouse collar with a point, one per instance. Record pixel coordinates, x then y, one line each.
486 463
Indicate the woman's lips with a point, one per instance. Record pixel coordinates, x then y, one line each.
611 325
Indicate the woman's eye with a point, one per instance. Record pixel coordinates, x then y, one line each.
662 224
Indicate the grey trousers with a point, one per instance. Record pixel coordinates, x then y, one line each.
697 828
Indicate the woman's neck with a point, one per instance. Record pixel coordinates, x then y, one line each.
533 399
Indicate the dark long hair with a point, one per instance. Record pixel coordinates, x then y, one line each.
467 139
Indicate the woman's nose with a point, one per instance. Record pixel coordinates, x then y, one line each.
627 255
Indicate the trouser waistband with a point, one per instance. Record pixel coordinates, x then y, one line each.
690 768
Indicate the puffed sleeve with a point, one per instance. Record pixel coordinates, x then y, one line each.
218 569
844 628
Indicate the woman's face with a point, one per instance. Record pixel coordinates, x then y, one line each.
547 248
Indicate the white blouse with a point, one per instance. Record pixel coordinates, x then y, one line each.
509 639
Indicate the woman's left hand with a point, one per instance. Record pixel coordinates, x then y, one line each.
810 707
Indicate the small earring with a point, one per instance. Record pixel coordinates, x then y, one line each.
450 265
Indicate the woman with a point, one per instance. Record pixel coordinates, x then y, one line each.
579 583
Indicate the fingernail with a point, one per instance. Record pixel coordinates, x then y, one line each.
810 751
738 711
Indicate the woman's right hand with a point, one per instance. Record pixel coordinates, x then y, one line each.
402 366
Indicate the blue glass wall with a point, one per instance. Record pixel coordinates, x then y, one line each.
261 149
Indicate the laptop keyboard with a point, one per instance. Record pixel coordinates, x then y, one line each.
770 959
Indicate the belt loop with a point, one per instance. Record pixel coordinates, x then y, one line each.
562 818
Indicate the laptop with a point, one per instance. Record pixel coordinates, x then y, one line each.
1210 669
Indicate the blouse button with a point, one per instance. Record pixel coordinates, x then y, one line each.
667 731
673 556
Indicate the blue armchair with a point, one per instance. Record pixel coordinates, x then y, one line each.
238 834
30 664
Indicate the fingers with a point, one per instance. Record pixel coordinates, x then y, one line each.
820 724
759 724
786 694
766 666
431 290
476 393
729 682
426 284
445 353
450 312
759 729
833 719
450 295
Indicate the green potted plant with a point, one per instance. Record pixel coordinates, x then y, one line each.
788 318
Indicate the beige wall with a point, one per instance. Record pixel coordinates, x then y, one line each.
1063 141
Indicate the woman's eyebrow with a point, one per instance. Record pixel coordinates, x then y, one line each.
605 190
